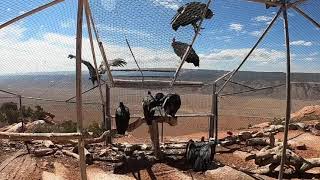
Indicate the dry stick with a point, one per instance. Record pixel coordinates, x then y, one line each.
306 16
187 52
135 61
82 163
86 6
104 57
288 84
251 51
40 8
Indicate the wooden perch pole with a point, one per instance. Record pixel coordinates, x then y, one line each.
29 13
86 5
101 48
288 90
82 163
108 119
187 52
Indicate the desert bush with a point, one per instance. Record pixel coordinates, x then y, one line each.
277 121
38 113
9 112
95 129
27 112
64 127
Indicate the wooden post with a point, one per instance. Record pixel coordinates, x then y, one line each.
288 90
154 135
108 118
211 118
82 162
21 113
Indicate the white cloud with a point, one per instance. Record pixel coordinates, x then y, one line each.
124 31
49 52
262 19
301 43
256 33
68 24
236 27
261 54
109 5
171 4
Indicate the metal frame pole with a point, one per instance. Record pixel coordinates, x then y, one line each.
306 16
82 163
252 49
29 13
187 52
288 90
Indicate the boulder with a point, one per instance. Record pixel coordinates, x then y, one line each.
244 135
262 125
307 113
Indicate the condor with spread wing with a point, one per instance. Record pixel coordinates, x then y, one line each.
92 72
190 13
180 48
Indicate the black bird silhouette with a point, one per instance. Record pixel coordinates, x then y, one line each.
199 155
92 71
150 105
190 13
171 104
180 48
122 118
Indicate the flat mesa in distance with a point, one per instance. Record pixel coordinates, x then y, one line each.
189 14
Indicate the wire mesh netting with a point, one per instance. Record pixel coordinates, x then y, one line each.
34 56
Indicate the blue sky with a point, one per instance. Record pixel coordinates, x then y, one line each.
43 41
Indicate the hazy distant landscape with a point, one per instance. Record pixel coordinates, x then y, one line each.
241 109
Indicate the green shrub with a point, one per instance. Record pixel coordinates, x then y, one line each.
95 129
277 121
64 127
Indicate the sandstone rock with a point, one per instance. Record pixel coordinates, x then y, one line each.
307 113
262 125
227 172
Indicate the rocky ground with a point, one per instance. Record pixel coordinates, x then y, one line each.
242 154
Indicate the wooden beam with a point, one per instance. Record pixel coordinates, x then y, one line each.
39 136
187 52
29 13
288 92
108 120
179 115
82 162
125 83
